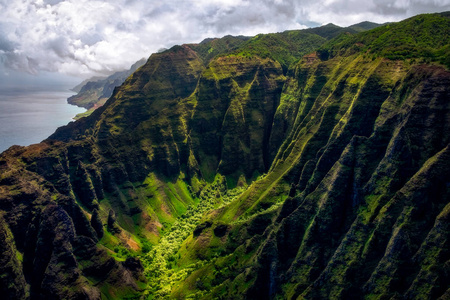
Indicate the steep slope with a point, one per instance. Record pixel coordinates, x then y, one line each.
93 93
356 200
58 187
422 37
95 90
277 166
79 86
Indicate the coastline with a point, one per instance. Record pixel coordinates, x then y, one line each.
28 116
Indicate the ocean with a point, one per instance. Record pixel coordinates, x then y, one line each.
28 116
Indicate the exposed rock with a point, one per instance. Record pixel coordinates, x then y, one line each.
199 229
111 223
12 280
97 224
83 187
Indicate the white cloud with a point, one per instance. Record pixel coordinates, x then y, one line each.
82 37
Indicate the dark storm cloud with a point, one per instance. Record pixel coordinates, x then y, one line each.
94 36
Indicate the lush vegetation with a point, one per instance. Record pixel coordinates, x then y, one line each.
286 47
162 263
424 37
210 48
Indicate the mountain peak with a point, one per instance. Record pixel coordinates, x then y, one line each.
331 25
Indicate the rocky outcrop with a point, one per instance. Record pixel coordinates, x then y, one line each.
97 224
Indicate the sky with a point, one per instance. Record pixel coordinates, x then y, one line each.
81 38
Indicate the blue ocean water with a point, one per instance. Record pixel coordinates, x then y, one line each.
28 116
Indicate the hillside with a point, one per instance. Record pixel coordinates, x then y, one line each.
295 165
93 93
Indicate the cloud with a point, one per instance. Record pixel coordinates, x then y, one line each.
87 37
348 12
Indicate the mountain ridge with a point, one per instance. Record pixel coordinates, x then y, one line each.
93 92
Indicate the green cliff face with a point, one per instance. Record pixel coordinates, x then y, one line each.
235 102
281 166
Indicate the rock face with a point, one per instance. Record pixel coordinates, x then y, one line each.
12 281
356 231
236 99
347 151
